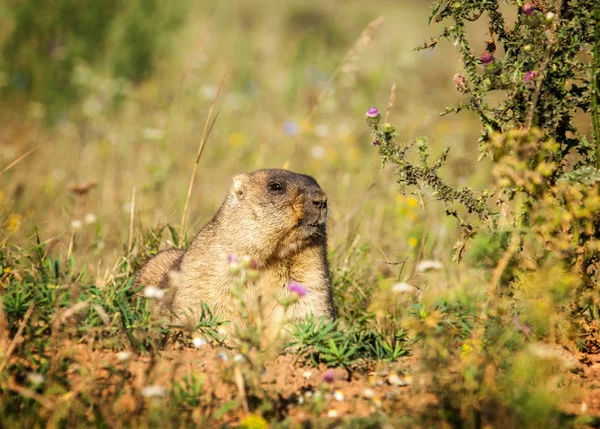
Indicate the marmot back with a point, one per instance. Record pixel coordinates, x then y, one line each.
275 217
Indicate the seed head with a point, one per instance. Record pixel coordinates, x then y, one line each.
460 81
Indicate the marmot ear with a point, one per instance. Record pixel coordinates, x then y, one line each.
237 186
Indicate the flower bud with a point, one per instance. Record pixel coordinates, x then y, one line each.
486 58
528 9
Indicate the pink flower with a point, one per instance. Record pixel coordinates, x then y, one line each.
297 288
530 75
528 9
329 376
373 112
486 58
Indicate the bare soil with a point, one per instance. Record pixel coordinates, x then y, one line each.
293 383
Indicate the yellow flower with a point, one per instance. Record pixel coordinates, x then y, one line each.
466 349
413 241
306 128
254 422
412 202
236 139
13 223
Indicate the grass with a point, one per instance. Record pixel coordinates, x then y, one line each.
410 348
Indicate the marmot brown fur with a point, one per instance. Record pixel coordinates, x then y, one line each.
275 217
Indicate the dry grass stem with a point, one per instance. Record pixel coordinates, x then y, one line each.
391 102
361 43
208 125
17 338
131 218
19 159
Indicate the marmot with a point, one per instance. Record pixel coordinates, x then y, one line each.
278 219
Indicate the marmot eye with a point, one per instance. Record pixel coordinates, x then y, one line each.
275 186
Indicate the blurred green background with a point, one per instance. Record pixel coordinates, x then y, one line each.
117 93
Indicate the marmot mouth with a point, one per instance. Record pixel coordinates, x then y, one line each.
314 224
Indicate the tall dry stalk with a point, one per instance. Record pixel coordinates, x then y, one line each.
365 38
208 125
346 65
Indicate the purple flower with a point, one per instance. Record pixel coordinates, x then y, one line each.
297 288
528 9
232 259
291 128
530 75
486 58
373 112
329 376
375 142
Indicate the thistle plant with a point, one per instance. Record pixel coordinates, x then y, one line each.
545 62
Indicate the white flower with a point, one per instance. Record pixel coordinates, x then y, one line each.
429 265
550 16
318 152
403 287
208 92
154 292
338 395
153 391
35 378
153 133
123 356
198 342
394 380
369 393
76 224
321 131
238 358
332 413
307 374
89 219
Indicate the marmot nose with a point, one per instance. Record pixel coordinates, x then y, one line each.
320 201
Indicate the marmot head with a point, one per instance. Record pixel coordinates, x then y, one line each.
277 212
